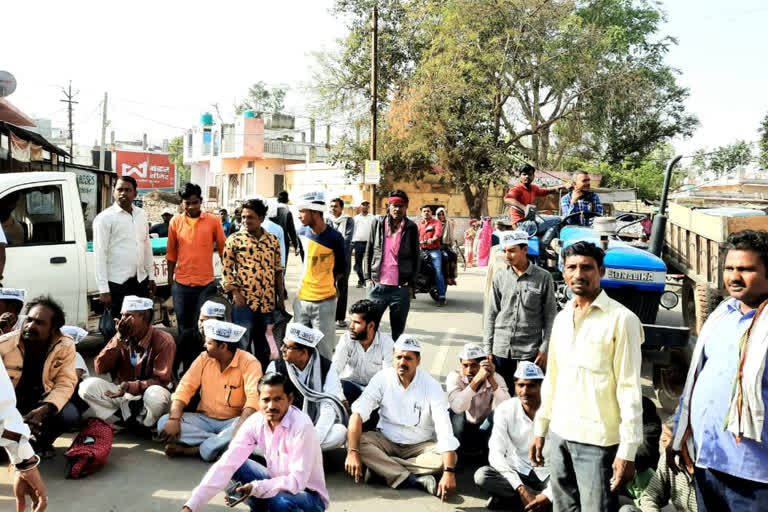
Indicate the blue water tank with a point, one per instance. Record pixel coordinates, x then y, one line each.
206 119
249 113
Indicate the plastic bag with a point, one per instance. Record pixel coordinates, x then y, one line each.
107 324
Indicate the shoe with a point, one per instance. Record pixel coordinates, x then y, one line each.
341 324
427 483
493 503
441 303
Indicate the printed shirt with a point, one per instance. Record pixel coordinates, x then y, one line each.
389 273
591 392
437 233
511 437
524 195
581 205
190 245
223 395
409 415
324 259
716 448
293 455
249 265
360 365
121 247
477 405
363 224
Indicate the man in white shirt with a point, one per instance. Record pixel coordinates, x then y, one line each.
363 223
403 451
362 351
511 479
11 303
122 250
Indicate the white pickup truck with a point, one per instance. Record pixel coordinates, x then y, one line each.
48 252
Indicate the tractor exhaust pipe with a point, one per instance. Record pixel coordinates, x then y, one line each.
660 219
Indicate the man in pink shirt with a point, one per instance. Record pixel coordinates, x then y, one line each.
294 477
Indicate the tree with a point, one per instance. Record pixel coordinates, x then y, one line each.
645 175
763 143
724 159
262 100
176 156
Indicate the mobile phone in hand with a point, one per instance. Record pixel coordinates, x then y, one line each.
233 496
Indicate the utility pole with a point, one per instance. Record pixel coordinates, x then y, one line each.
104 123
70 101
374 87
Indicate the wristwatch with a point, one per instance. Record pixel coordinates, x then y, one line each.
450 470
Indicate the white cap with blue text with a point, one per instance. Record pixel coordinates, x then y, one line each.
302 334
74 332
471 351
135 303
223 331
510 238
312 201
408 342
13 294
528 371
214 309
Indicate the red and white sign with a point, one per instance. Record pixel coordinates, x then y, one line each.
151 170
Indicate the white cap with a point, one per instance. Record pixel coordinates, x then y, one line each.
528 371
510 238
167 211
214 309
302 334
471 351
223 331
312 201
408 342
134 303
13 294
76 333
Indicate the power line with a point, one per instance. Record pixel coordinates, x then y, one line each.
69 100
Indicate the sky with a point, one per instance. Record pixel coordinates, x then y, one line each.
165 62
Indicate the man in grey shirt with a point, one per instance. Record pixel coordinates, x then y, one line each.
521 309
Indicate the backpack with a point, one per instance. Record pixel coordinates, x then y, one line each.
90 449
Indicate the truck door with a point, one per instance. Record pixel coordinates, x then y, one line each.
42 255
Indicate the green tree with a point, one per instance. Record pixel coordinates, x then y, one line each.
724 159
645 175
262 100
763 158
176 156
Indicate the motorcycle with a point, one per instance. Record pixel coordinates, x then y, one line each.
424 279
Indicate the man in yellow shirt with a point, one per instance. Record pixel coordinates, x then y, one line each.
591 398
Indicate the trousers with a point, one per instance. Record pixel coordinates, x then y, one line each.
254 322
716 490
436 255
318 315
156 401
306 501
211 435
398 299
359 248
395 462
494 482
187 302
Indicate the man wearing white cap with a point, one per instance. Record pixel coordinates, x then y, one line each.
161 228
473 391
211 310
511 479
521 308
227 379
324 264
315 373
139 361
414 439
11 303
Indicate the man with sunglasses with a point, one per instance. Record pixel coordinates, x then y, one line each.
227 378
316 373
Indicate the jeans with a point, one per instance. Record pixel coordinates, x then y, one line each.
359 248
720 491
581 475
119 291
187 302
548 226
211 435
318 315
399 301
306 501
342 287
256 325
436 255
471 436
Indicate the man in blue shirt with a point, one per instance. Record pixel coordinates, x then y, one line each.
580 199
731 468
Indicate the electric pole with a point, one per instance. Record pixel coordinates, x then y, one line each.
104 123
70 101
374 87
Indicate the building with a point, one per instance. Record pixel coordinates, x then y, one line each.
246 157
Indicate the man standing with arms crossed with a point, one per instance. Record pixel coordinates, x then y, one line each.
591 400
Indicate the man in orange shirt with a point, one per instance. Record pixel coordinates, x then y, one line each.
191 239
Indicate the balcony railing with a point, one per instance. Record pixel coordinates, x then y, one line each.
293 150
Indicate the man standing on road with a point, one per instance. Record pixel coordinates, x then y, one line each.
284 218
413 413
226 378
139 358
191 239
345 225
591 400
511 477
324 265
579 200
722 428
521 308
391 260
430 236
363 223
524 193
122 250
473 390
161 229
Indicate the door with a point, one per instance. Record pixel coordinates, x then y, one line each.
278 184
42 255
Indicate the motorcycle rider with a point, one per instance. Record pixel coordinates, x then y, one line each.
430 236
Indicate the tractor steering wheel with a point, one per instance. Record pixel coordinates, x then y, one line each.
587 215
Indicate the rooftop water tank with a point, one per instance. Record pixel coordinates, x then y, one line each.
249 113
206 119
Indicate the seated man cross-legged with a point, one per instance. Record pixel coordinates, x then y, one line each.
227 378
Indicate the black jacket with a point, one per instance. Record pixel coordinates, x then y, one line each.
284 219
407 255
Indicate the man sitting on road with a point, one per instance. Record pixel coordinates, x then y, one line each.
473 390
430 236
210 311
524 193
227 378
511 479
521 308
581 199
413 413
318 374
293 480
362 351
139 360
11 303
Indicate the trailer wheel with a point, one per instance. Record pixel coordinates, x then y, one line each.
698 302
669 380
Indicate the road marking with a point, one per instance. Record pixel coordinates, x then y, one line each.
442 353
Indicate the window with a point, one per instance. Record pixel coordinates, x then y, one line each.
248 184
206 141
216 143
33 216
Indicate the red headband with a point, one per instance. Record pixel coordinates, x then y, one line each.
397 200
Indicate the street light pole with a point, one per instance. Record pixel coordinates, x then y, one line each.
374 87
